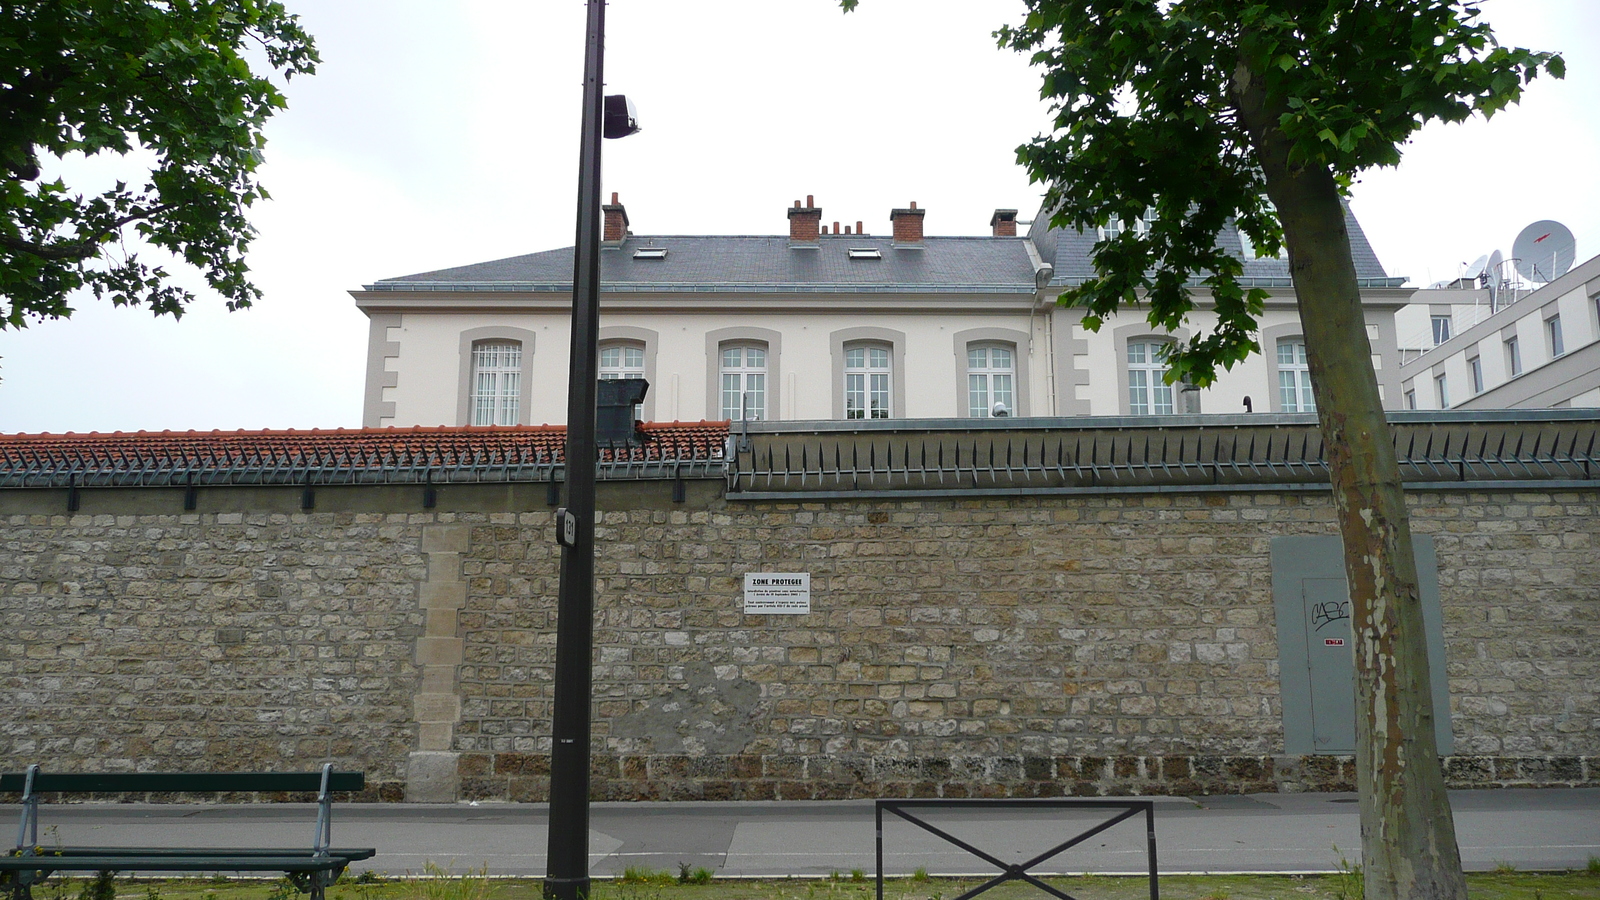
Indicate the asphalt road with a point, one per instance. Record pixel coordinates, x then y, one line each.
1528 829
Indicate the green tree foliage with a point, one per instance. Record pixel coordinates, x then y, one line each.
1148 114
1263 113
164 79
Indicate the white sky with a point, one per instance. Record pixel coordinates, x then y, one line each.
438 134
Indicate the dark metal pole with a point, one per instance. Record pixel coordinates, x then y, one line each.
567 875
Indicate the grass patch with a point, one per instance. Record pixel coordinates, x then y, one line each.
647 884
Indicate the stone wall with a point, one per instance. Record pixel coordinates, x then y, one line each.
1026 646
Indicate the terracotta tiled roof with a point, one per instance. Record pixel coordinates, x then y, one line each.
369 455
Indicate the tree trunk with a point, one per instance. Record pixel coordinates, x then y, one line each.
1408 841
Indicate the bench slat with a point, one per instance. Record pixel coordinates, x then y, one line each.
351 853
230 863
181 782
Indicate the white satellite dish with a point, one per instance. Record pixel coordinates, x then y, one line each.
1497 275
1544 251
1476 269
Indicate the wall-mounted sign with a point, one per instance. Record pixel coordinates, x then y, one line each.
1333 642
777 593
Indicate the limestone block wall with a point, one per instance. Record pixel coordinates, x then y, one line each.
1026 646
243 640
1019 646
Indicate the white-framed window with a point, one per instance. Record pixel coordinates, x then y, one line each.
1513 356
496 382
1441 329
866 382
1251 251
1441 388
1411 398
1294 377
743 374
621 359
1248 246
1475 373
991 373
1148 392
1552 327
1139 226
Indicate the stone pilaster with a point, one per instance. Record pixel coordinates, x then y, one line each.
431 772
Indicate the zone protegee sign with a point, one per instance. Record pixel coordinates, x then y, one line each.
777 593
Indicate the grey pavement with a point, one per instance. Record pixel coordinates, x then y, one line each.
1528 829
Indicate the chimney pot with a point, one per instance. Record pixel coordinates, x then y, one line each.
805 224
859 229
836 228
907 224
1004 223
615 227
913 204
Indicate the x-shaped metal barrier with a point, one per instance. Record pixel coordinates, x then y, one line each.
1127 809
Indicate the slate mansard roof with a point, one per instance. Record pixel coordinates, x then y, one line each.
1069 252
765 264
774 264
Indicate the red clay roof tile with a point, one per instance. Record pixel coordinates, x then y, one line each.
369 449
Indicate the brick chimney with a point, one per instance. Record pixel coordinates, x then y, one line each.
805 222
1004 223
616 226
907 224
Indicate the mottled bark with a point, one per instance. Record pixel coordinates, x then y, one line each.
1408 841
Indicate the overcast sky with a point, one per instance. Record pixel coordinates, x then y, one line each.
437 134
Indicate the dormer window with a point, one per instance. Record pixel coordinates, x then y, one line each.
650 253
865 253
1139 226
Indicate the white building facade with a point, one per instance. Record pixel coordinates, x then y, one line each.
1541 351
823 324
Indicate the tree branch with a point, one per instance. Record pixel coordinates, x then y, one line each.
85 248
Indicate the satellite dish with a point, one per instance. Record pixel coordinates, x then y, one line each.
1544 251
1497 275
1476 269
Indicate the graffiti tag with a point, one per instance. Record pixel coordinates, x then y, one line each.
1328 612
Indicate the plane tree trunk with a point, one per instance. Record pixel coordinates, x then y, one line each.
1408 842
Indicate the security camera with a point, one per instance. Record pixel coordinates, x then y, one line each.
999 411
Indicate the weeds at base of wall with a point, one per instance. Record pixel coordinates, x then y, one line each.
1578 884
1349 883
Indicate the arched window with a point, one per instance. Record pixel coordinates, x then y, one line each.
1148 392
1294 377
991 374
743 372
496 382
621 359
866 381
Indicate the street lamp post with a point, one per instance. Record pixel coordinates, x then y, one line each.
567 874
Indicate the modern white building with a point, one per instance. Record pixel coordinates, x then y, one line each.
1540 351
824 322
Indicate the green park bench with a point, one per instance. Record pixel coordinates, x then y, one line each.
311 869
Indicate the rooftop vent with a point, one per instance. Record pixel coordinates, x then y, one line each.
650 253
865 253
